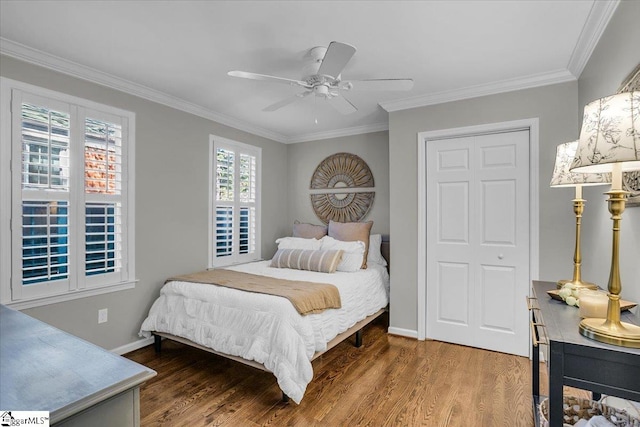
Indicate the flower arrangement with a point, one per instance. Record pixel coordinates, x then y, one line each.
569 294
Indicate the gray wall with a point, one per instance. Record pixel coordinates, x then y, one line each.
171 203
555 106
615 56
559 109
304 157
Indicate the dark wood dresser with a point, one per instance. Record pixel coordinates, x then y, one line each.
574 360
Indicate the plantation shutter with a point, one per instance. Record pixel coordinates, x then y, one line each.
247 184
235 203
43 191
225 162
104 194
69 197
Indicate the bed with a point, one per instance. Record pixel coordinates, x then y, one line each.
266 331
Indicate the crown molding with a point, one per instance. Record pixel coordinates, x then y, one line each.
597 21
337 133
52 62
599 16
535 80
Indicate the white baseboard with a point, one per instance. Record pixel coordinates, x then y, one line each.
132 346
409 333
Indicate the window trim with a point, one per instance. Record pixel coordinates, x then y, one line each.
127 281
240 148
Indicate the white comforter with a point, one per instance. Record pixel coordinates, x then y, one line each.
266 328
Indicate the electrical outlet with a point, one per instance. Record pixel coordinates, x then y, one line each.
103 315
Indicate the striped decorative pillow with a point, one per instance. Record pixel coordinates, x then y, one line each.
305 259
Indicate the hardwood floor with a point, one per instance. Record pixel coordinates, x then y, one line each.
389 381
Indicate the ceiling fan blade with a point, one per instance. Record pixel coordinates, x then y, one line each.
287 101
264 77
382 84
335 59
342 104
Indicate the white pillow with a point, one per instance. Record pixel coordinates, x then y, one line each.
298 243
375 256
352 252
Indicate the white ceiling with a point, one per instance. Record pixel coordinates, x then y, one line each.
179 52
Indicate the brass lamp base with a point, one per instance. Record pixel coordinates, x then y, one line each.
611 332
578 284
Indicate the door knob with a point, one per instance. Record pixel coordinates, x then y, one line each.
500 256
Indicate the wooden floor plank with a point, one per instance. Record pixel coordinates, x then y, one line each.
389 381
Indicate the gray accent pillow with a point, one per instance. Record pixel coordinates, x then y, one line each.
305 259
309 231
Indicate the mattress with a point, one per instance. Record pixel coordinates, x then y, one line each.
266 328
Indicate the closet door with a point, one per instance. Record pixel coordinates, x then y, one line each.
478 240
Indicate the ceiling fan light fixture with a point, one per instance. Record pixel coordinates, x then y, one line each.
321 90
323 77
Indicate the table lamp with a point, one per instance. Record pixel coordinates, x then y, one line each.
563 177
610 142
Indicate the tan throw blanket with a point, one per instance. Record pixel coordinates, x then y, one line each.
306 297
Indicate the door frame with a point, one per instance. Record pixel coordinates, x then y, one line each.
532 125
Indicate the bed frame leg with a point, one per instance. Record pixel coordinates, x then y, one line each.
359 338
157 343
285 398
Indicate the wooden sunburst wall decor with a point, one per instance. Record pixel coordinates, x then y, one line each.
341 188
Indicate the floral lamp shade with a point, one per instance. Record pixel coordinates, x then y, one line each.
610 134
610 141
563 177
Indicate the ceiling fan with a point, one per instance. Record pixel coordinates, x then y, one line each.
323 70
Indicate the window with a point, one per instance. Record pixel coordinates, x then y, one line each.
235 202
67 197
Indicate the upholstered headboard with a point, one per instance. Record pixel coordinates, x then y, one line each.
385 249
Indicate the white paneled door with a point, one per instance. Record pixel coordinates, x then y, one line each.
478 241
